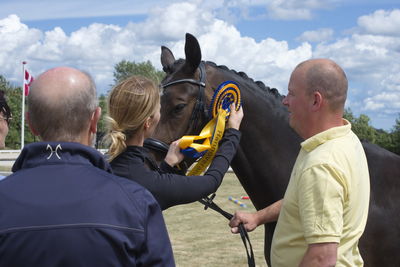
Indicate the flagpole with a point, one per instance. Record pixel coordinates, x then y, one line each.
23 106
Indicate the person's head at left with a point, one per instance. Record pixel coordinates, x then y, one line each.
133 113
316 97
5 118
62 106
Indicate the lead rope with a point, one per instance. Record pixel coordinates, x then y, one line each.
209 203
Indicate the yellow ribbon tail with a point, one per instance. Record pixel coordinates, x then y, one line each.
218 127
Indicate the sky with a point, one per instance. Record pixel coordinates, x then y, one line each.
264 38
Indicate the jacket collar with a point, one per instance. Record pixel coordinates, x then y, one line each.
44 153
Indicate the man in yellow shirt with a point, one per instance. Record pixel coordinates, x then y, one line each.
324 211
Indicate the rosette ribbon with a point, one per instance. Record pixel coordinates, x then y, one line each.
205 145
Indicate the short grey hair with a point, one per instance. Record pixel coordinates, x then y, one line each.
63 119
331 81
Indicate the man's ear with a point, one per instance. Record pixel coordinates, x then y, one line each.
33 130
318 100
94 120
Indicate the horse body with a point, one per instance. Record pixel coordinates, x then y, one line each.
269 147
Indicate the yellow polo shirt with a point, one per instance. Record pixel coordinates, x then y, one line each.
326 200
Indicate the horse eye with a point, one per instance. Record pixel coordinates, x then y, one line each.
179 108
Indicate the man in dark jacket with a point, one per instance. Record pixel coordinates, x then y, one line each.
63 206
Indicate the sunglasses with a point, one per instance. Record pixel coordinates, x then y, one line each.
7 119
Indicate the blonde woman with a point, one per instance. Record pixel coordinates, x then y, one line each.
133 114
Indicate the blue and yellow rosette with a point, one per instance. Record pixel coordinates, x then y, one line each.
205 145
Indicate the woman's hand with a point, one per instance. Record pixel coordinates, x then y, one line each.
235 118
174 155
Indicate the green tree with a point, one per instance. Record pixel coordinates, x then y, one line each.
396 137
14 100
362 128
101 125
384 139
348 115
125 68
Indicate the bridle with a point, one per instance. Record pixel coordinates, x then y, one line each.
199 111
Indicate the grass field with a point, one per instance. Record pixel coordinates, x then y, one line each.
202 237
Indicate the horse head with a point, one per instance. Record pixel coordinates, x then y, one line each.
181 110
184 97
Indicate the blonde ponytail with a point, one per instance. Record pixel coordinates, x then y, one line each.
130 103
115 138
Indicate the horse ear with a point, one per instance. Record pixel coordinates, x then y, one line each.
192 53
167 58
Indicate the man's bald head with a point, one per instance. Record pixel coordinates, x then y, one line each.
60 104
328 78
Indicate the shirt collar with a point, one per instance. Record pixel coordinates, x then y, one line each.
322 137
41 153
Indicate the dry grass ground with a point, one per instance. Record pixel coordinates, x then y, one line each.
202 237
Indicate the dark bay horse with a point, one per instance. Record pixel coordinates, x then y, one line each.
269 147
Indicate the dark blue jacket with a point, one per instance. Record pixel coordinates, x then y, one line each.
63 207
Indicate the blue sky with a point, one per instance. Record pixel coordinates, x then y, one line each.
264 38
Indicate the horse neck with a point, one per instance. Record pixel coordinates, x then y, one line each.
268 146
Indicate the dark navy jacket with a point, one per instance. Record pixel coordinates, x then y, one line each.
63 207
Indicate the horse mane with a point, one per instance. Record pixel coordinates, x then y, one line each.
265 90
244 76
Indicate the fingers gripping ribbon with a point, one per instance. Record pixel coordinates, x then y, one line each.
205 144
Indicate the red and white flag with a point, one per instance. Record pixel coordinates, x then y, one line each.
28 79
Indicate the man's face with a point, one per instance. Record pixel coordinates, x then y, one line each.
298 102
3 129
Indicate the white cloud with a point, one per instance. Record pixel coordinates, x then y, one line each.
171 23
371 104
381 22
369 55
295 9
98 47
277 9
18 41
370 58
319 35
269 60
385 102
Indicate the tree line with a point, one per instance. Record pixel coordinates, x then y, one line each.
361 126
